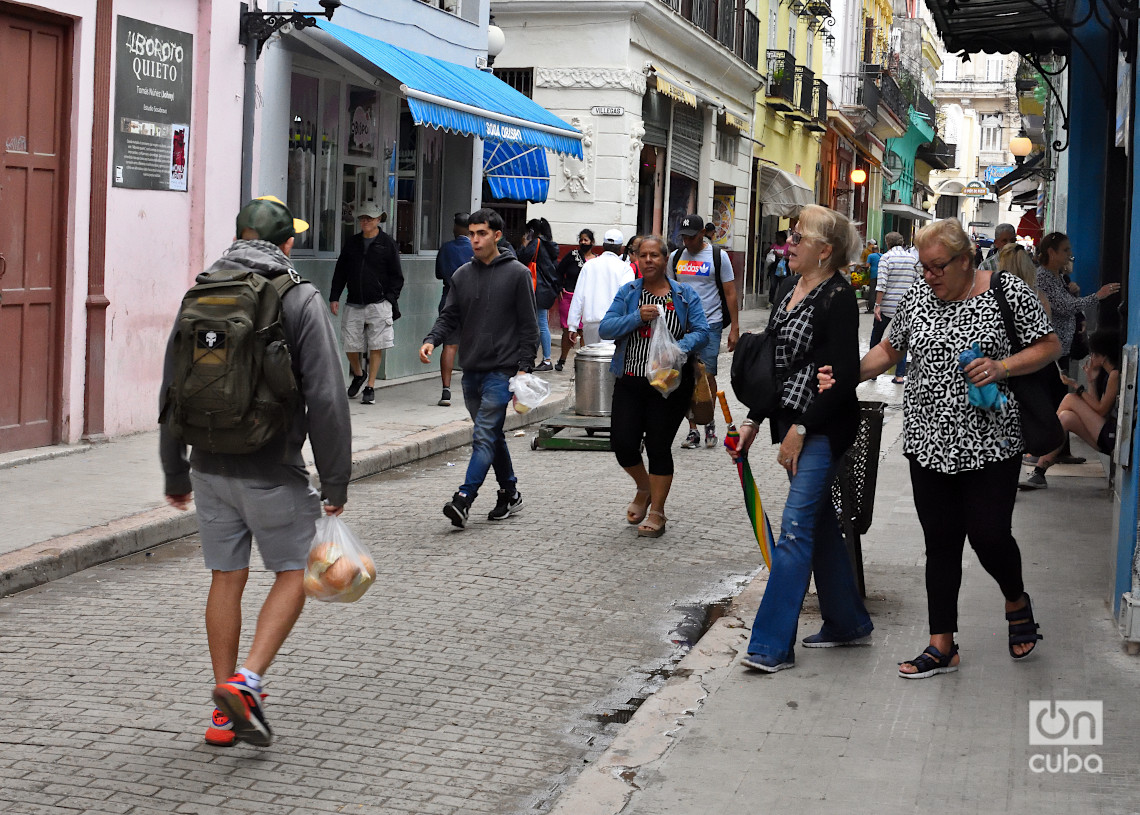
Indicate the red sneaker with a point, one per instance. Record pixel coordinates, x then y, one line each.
220 733
242 704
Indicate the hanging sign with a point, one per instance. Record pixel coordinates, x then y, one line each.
152 106
975 189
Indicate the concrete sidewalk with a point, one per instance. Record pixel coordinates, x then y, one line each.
841 732
71 506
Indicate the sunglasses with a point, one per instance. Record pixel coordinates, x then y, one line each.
794 237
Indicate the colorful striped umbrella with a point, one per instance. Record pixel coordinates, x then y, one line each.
752 501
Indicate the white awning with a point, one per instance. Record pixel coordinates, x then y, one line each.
905 211
781 193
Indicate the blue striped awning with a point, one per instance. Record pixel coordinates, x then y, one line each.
460 99
516 172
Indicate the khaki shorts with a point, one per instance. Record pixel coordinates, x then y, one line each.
367 328
280 514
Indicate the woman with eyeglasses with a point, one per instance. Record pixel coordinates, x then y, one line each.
816 324
964 460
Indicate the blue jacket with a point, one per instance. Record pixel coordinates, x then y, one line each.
623 318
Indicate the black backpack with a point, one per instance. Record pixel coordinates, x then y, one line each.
233 388
753 375
725 317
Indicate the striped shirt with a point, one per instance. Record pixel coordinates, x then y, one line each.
896 275
637 349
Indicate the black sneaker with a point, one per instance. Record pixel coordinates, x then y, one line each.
445 399
559 365
506 506
354 385
692 440
369 397
545 366
456 509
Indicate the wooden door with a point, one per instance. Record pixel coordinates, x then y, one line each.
34 90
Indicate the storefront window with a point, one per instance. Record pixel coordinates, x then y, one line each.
313 156
406 183
362 177
431 188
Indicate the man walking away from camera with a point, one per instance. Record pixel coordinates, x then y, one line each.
452 255
491 306
264 494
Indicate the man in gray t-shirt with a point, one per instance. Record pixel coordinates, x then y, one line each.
697 267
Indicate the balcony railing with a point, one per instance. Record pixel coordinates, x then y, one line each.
805 87
818 121
750 48
924 106
701 14
892 96
781 89
726 22
938 154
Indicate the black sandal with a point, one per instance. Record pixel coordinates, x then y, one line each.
930 662
1023 629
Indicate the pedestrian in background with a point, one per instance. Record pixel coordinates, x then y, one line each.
816 325
1004 235
708 269
567 278
598 282
491 306
873 258
896 276
369 266
639 412
964 460
1014 258
263 495
540 249
450 257
779 268
629 254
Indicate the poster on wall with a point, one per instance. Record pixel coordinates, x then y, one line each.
151 122
724 211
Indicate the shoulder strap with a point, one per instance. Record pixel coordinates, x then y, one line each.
1006 312
725 317
676 262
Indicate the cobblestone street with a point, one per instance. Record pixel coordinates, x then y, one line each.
475 676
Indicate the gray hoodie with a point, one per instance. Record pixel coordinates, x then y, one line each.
492 305
316 365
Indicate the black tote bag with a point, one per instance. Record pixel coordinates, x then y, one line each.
1041 430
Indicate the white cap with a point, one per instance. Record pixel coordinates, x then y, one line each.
615 237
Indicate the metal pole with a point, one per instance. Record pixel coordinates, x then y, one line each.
249 95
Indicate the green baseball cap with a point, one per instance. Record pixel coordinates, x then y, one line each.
268 216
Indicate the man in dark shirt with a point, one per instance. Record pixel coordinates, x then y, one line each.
491 306
369 265
451 256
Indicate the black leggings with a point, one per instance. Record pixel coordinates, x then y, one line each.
639 412
973 503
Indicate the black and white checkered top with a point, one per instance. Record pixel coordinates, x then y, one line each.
794 343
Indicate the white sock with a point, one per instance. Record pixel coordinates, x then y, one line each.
252 679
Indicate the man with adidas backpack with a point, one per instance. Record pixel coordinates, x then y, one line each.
252 356
707 268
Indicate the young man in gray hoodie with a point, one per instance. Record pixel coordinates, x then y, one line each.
264 494
491 305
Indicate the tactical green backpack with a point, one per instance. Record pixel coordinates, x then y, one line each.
233 388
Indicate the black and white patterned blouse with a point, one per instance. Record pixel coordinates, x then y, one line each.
941 430
637 349
1063 304
794 340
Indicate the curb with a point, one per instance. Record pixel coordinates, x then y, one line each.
59 557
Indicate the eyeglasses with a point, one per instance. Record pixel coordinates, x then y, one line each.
794 237
937 269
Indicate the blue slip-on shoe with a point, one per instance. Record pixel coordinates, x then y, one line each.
821 641
759 662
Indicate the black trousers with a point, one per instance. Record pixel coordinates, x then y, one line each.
639 412
977 504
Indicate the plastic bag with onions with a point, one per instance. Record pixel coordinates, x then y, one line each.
340 569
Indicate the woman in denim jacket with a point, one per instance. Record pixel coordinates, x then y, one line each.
639 410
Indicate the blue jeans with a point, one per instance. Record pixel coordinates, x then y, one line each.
544 333
486 395
878 329
810 540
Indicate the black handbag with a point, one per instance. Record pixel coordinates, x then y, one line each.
1041 430
753 376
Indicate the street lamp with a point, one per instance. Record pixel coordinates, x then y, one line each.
1020 146
496 41
257 27
858 175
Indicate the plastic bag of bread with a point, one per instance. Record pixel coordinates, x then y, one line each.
529 391
340 569
663 366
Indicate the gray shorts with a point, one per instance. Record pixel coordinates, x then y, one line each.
367 328
232 511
